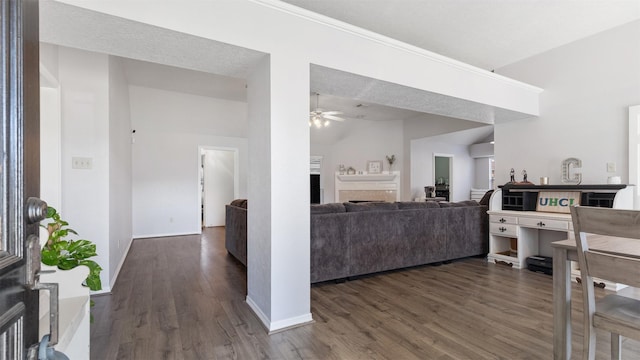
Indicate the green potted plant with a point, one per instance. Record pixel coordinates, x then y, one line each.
65 253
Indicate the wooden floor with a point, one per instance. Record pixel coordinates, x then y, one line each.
183 298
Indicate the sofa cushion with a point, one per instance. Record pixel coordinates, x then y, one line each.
327 208
485 199
417 205
241 203
370 206
459 204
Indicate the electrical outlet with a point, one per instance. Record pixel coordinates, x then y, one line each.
611 167
83 163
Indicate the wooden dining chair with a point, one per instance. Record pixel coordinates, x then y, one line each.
614 313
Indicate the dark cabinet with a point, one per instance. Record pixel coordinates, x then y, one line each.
442 191
525 197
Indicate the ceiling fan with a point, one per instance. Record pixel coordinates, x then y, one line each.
320 118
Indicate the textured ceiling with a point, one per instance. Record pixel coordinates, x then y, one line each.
71 26
485 33
360 88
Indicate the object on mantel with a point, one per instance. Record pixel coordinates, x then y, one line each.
429 191
567 164
367 177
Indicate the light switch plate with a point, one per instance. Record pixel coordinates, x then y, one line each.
611 167
83 163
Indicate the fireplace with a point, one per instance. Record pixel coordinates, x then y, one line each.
368 187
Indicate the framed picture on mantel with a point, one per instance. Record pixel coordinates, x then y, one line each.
374 167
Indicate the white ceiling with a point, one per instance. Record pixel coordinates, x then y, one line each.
485 33
75 27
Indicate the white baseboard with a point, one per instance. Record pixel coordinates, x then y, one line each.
286 324
117 272
256 309
105 291
165 235
280 325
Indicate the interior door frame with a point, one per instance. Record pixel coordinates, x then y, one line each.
20 176
236 174
634 153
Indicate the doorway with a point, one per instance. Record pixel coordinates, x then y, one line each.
218 183
634 152
443 175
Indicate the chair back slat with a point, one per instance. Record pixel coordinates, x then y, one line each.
605 221
616 261
614 268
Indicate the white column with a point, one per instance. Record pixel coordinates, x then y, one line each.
278 272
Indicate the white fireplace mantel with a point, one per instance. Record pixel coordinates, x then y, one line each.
367 177
367 187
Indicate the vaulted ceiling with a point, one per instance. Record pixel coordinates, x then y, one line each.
485 33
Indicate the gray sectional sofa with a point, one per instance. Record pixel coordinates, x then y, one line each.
354 239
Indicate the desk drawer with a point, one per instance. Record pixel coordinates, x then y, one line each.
545 224
503 219
503 229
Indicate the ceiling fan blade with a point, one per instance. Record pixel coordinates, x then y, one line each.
331 117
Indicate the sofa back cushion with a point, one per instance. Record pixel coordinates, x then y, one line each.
485 199
370 206
327 208
459 203
241 203
417 205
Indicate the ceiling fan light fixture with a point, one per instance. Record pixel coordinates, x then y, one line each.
321 118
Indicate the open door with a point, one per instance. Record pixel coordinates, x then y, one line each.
20 182
634 153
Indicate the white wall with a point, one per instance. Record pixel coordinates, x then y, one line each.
422 151
481 150
259 223
84 84
120 224
589 85
278 251
169 128
50 132
482 154
362 141
50 143
482 173
428 126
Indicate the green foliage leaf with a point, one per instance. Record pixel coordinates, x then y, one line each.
49 257
67 254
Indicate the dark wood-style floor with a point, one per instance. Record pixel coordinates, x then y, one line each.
183 298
